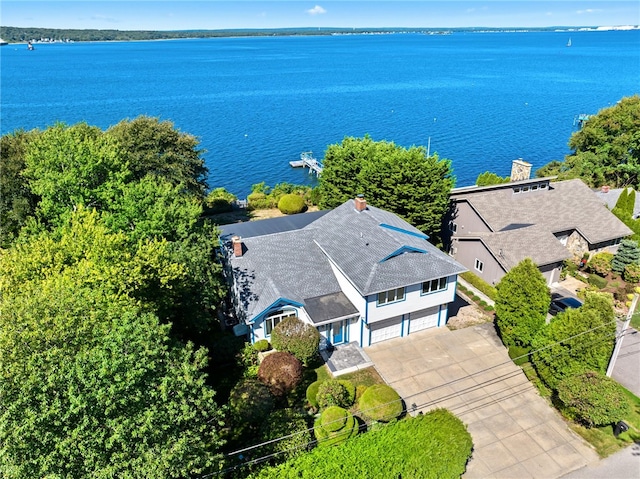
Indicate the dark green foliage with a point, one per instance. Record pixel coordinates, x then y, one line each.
597 281
290 425
219 200
433 446
334 426
296 337
626 202
17 202
628 252
263 196
405 181
631 273
380 403
487 178
250 402
312 393
291 204
480 283
247 358
281 372
593 399
606 149
522 304
262 345
576 341
600 263
334 392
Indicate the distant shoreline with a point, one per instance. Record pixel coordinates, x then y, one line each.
21 35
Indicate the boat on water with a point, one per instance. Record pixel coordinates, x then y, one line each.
569 42
30 46
3 43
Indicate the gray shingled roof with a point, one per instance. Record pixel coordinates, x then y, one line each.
375 249
610 198
249 229
512 246
564 206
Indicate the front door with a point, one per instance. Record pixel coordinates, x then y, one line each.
337 332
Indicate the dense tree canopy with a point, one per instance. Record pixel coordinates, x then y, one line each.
405 181
522 304
606 149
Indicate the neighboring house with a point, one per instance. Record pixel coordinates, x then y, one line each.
609 196
493 228
357 273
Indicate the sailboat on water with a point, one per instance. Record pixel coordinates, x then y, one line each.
569 42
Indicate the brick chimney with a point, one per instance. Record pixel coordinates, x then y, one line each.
361 203
237 246
520 170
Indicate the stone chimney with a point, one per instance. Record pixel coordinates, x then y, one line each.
520 170
237 246
361 203
605 189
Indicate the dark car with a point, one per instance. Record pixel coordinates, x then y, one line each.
561 304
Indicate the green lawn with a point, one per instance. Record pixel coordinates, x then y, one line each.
635 320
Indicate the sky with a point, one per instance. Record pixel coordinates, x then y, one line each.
216 14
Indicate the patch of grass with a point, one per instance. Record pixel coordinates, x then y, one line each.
364 377
322 373
635 320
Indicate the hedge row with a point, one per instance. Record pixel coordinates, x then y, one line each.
479 283
435 445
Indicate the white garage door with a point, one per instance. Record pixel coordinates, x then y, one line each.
426 318
390 328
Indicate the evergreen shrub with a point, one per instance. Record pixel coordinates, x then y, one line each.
291 425
312 393
628 252
335 392
381 403
600 263
334 426
480 283
296 337
262 345
291 204
631 273
219 200
593 399
430 446
597 281
250 401
281 372
519 354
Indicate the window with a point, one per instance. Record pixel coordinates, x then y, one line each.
516 189
543 186
479 265
434 285
534 187
525 189
391 296
453 227
275 317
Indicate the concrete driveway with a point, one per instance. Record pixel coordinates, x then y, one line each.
516 434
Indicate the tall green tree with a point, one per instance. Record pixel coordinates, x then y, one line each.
151 146
606 149
405 181
628 253
522 304
91 384
488 178
576 341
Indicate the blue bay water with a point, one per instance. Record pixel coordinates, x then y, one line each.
483 99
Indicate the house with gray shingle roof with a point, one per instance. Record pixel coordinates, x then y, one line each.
493 228
357 273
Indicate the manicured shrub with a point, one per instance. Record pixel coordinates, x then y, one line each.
296 337
281 372
250 401
576 341
593 399
597 281
600 263
628 252
219 200
248 360
381 403
522 304
334 426
434 445
335 392
480 283
262 345
519 354
312 393
290 425
291 204
632 273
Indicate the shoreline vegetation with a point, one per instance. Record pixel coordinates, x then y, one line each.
52 35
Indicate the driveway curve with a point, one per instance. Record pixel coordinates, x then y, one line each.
468 371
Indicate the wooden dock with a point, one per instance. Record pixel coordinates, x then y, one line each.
308 161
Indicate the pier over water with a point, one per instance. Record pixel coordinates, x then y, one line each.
308 161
